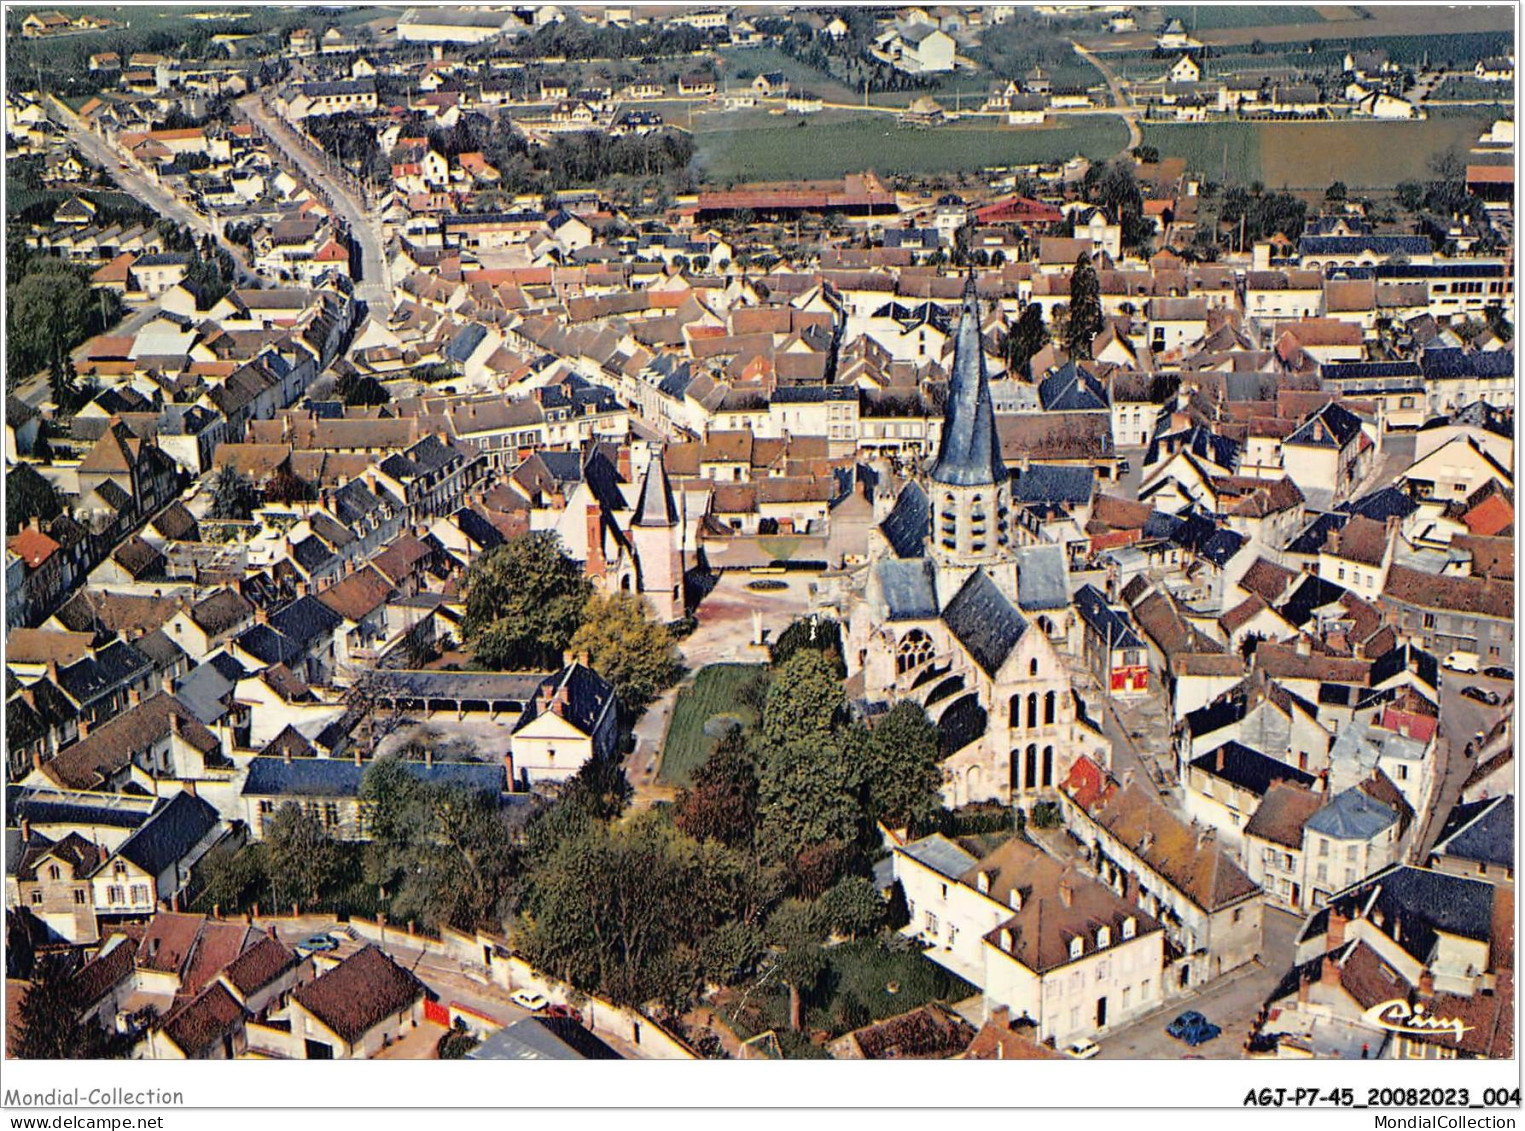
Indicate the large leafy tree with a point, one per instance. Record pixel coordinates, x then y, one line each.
608 904
821 633
625 646
794 931
804 698
1085 309
441 853
808 795
524 602
48 1023
302 860
722 803
48 311
902 772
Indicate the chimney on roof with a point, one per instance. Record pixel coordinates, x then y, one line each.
1426 985
1221 758
622 462
134 697
84 728
1304 646
1334 934
190 786
52 667
174 723
999 1016
26 830
261 616
1066 890
1329 972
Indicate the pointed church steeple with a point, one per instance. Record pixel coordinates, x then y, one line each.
970 453
656 506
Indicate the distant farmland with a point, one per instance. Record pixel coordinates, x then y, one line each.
782 149
1310 155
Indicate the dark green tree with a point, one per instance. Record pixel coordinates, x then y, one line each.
48 1022
233 496
1085 309
821 633
1027 337
794 933
804 699
27 496
524 602
301 858
853 908
722 803
902 773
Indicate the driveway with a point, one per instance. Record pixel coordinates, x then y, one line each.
1232 1002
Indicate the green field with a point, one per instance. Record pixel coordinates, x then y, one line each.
717 694
766 148
1310 155
1213 18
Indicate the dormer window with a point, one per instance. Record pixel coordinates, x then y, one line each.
1077 947
1130 927
1015 899
1006 943
982 882
1103 938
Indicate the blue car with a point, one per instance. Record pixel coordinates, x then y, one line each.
1192 1028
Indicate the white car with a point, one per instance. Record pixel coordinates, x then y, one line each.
530 1000
1083 1049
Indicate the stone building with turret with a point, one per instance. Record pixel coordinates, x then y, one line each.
942 615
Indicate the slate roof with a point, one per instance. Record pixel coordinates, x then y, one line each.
940 854
304 620
1424 902
588 697
1249 769
909 586
1046 483
340 777
169 834
1352 815
543 1038
970 452
1331 426
360 993
908 522
984 622
1071 389
1480 830
1043 580
1104 620
656 505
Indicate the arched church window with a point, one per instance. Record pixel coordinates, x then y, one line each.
1048 766
1030 777
1049 702
1032 709
915 650
1016 712
1032 668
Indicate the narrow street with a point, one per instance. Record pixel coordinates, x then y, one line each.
1125 109
375 287
1231 1002
138 183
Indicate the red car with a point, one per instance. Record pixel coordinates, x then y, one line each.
564 1011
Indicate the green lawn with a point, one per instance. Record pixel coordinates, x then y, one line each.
1309 155
853 991
717 694
1212 18
789 147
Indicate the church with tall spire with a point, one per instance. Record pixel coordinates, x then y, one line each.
949 611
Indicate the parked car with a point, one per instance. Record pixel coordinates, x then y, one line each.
564 1011
1481 695
1192 1028
531 1000
1499 673
1083 1049
1465 662
318 943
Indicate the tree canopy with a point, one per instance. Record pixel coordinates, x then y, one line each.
233 495
524 603
627 647
1085 309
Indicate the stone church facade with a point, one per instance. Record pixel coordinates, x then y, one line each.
938 615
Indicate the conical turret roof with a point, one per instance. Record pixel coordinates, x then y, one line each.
970 454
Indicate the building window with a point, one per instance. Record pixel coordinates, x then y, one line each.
36 895
1130 927
79 896
931 923
53 872
139 893
1077 947
114 894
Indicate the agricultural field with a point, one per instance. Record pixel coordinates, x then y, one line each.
786 147
1310 155
704 712
1257 15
